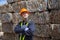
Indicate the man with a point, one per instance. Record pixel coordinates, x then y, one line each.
25 28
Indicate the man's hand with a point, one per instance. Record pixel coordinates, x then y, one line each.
26 29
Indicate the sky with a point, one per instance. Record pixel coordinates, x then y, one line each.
2 2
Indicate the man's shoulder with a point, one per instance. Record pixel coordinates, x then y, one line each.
31 21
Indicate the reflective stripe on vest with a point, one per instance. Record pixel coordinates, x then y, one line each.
22 37
22 24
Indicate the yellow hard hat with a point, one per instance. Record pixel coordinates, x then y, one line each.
23 10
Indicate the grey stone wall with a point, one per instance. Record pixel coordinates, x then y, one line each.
45 14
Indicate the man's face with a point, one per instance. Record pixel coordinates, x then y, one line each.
25 15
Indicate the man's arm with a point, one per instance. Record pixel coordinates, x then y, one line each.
31 29
17 29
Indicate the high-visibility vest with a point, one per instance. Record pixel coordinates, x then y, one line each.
22 37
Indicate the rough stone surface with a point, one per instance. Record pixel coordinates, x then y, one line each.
10 1
0 25
6 8
40 18
54 4
55 31
7 17
55 16
7 27
36 6
47 24
0 16
10 36
41 38
43 30
18 5
16 18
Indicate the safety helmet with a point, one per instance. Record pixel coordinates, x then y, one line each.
23 10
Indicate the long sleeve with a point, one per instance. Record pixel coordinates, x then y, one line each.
31 30
17 29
